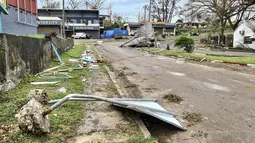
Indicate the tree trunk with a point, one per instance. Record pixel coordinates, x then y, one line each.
222 32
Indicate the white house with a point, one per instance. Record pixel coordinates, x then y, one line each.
244 35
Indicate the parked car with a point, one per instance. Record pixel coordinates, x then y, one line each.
79 36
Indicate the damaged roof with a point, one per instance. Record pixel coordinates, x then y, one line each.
251 24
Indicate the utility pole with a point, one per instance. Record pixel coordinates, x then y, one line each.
63 19
150 11
87 4
145 8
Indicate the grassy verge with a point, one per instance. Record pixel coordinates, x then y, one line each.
35 36
64 119
243 59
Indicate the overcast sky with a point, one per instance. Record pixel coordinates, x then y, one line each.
131 8
127 8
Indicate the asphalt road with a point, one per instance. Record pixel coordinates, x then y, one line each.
224 98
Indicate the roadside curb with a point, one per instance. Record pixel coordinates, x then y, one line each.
122 93
202 59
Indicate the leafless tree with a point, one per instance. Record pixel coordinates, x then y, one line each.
50 4
96 4
164 10
109 9
74 4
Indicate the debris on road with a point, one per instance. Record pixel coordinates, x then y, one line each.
61 90
44 83
216 61
192 118
30 118
148 107
144 37
173 98
56 52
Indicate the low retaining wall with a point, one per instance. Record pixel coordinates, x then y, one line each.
20 55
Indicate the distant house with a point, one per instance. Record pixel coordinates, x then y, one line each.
244 35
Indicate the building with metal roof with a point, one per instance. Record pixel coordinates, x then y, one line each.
76 21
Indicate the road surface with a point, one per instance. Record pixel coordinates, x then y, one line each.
224 98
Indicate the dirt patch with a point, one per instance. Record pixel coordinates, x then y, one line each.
131 74
232 67
199 134
131 86
121 73
125 68
173 98
6 131
192 118
131 89
150 90
111 90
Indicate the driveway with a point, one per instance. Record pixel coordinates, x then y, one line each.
225 99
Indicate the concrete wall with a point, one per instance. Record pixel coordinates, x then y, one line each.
43 29
21 54
26 25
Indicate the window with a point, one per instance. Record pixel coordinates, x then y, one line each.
96 21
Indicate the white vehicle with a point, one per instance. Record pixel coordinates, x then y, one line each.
79 36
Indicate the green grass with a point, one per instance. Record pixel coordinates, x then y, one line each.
141 139
67 116
35 36
243 59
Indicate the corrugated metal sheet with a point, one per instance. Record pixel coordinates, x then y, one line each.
161 116
145 106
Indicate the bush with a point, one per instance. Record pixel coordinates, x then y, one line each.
185 42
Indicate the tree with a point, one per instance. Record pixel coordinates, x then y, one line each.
163 10
237 11
74 4
96 4
231 11
50 4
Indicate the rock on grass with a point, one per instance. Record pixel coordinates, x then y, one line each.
30 118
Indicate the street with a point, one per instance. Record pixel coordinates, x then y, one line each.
224 98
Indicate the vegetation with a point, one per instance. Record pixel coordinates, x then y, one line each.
64 119
141 139
244 60
185 42
36 36
219 13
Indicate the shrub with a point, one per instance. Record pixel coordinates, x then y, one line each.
185 42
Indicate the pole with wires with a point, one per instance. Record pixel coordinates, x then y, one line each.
149 19
63 19
145 8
